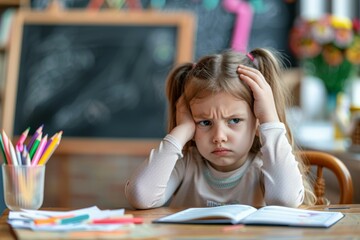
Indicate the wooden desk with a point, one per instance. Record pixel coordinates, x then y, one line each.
348 227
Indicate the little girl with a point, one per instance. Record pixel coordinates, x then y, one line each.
228 141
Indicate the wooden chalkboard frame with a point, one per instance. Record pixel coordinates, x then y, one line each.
184 21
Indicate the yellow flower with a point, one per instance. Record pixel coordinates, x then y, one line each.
341 22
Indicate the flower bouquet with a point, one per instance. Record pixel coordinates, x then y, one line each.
329 48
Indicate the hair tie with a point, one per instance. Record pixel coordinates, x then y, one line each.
250 56
253 59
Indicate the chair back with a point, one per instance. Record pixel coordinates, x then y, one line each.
321 160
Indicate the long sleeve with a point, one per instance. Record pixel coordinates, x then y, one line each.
282 178
156 179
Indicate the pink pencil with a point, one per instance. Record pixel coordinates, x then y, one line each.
39 151
23 136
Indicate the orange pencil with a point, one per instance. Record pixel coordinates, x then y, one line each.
50 149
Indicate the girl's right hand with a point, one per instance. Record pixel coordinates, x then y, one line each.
264 103
185 124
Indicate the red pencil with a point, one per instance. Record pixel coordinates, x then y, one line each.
117 220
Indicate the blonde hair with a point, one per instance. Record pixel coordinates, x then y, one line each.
217 73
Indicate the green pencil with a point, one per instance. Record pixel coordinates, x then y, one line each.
35 146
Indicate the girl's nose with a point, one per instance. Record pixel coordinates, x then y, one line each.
219 134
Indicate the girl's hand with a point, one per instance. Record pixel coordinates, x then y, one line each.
185 125
264 104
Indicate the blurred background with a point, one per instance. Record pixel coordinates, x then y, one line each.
106 81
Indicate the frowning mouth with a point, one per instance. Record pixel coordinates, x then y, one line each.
221 151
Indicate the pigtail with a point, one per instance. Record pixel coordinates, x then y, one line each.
271 66
174 89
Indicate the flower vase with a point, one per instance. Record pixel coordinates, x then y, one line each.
337 111
330 107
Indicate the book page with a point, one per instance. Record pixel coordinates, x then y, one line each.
232 212
276 215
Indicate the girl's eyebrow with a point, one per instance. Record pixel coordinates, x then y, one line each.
206 116
238 115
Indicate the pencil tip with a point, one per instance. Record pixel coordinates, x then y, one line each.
40 128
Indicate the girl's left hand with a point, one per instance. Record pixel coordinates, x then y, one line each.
264 104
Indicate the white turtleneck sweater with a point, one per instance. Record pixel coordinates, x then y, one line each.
271 177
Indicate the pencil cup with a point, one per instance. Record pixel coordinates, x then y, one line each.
23 186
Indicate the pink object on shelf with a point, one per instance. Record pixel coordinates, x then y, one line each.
243 22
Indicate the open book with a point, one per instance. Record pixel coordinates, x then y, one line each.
244 214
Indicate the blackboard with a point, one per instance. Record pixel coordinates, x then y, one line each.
94 75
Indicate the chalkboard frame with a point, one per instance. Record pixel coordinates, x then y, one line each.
184 21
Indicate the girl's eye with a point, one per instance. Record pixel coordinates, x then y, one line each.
234 121
205 123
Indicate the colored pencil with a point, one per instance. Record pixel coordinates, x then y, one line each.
25 155
36 134
63 220
22 139
35 145
50 149
3 150
14 158
6 147
49 141
123 220
39 151
21 160
50 220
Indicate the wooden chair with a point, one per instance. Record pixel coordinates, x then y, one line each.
324 160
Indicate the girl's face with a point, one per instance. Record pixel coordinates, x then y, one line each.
225 130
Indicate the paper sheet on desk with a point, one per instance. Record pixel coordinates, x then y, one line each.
143 231
24 230
24 219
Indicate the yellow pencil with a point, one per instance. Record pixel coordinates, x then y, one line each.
50 149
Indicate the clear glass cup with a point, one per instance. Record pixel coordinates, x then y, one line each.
23 186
